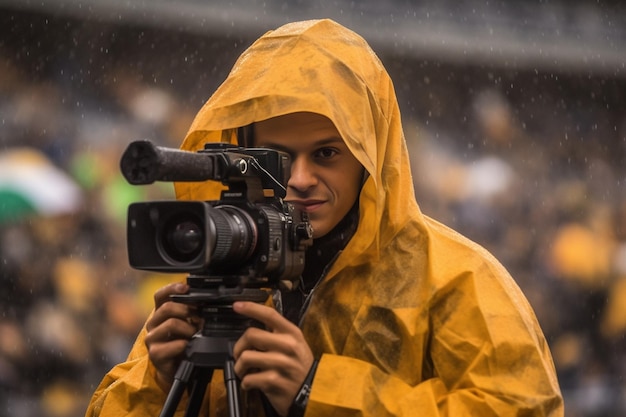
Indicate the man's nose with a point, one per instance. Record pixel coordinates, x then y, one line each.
302 174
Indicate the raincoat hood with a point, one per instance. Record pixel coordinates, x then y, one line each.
331 69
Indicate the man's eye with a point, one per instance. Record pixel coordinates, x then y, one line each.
326 153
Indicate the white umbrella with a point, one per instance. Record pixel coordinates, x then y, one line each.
31 184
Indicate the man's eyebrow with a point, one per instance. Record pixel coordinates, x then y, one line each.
329 141
332 140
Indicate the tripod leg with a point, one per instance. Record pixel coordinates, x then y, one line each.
198 390
183 374
232 389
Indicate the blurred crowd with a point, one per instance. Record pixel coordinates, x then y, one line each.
537 178
70 304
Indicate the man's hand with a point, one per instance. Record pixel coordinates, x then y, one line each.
169 330
275 360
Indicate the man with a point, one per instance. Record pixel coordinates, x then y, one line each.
396 314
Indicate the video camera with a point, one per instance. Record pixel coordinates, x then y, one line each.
234 249
248 238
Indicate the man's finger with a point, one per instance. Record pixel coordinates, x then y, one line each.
272 320
256 361
264 341
162 295
168 310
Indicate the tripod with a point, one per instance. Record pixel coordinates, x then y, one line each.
211 349
204 355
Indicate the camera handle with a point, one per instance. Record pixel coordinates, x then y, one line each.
204 355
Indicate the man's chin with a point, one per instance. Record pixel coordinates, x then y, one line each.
318 230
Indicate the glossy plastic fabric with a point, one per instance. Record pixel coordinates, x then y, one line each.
412 319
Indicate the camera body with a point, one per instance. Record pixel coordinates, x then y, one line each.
250 237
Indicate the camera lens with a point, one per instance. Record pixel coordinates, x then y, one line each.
225 233
183 238
236 234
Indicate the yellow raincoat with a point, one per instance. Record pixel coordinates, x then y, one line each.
412 319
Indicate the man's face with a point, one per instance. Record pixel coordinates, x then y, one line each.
325 177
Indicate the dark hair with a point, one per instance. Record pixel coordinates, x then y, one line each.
245 136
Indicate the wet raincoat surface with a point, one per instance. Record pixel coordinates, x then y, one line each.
412 319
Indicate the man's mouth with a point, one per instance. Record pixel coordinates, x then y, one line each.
307 206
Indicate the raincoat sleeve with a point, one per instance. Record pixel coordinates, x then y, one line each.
130 389
345 386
